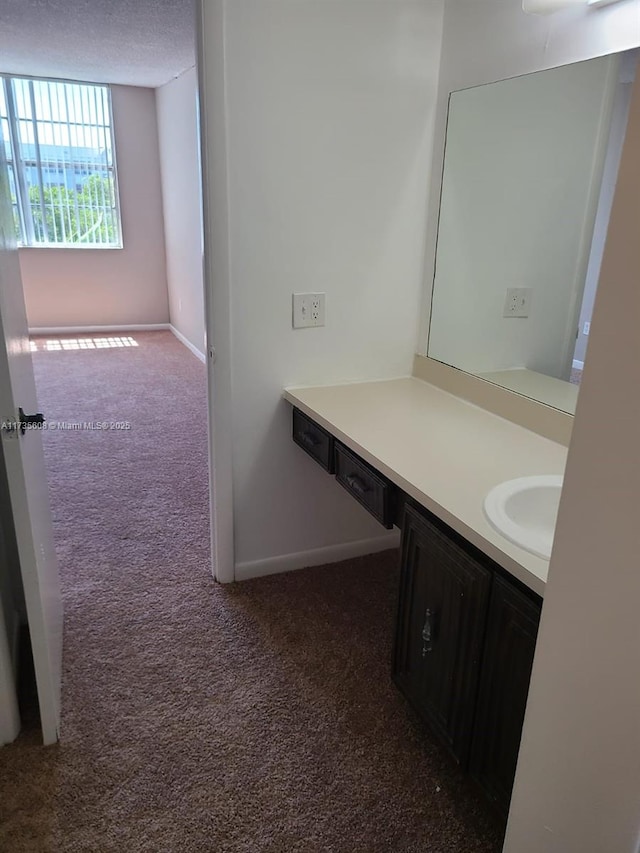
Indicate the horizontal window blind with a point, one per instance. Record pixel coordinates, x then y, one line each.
58 140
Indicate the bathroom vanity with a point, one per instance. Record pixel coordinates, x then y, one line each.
469 602
510 289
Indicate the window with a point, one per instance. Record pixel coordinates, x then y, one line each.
58 141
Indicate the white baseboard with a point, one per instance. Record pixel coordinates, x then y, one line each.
578 365
188 344
97 330
317 557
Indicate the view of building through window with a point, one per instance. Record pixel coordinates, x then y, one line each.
58 140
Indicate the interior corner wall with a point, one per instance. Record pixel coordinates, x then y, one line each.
329 117
494 40
176 104
111 287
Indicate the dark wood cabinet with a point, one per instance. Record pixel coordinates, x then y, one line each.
512 628
365 484
465 641
368 486
465 631
440 630
313 439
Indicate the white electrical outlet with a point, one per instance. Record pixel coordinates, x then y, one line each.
586 328
517 302
308 310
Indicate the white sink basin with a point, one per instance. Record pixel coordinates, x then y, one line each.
525 511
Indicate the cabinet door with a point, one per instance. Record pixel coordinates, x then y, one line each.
506 671
441 619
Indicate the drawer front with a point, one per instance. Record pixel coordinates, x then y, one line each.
315 440
367 486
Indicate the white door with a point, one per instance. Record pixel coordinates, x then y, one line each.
26 477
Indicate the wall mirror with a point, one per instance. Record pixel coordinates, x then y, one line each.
529 176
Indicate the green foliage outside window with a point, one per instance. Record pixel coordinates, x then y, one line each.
74 216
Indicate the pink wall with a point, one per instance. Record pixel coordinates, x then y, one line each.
98 287
181 191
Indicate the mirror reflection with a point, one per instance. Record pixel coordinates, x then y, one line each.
529 175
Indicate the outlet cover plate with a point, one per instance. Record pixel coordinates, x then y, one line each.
517 302
308 310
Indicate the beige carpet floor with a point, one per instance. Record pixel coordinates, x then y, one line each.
253 718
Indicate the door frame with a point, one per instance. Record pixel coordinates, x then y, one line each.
212 121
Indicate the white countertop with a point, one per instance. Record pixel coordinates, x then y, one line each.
444 452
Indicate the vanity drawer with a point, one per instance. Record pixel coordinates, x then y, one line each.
311 437
367 486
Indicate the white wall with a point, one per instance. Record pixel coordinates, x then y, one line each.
578 781
522 178
494 40
176 104
329 111
92 287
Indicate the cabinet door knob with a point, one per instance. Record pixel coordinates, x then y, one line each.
428 632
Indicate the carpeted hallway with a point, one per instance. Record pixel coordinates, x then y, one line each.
253 718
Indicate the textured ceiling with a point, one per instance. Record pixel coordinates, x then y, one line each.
135 42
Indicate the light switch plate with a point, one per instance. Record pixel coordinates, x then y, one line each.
308 310
517 302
